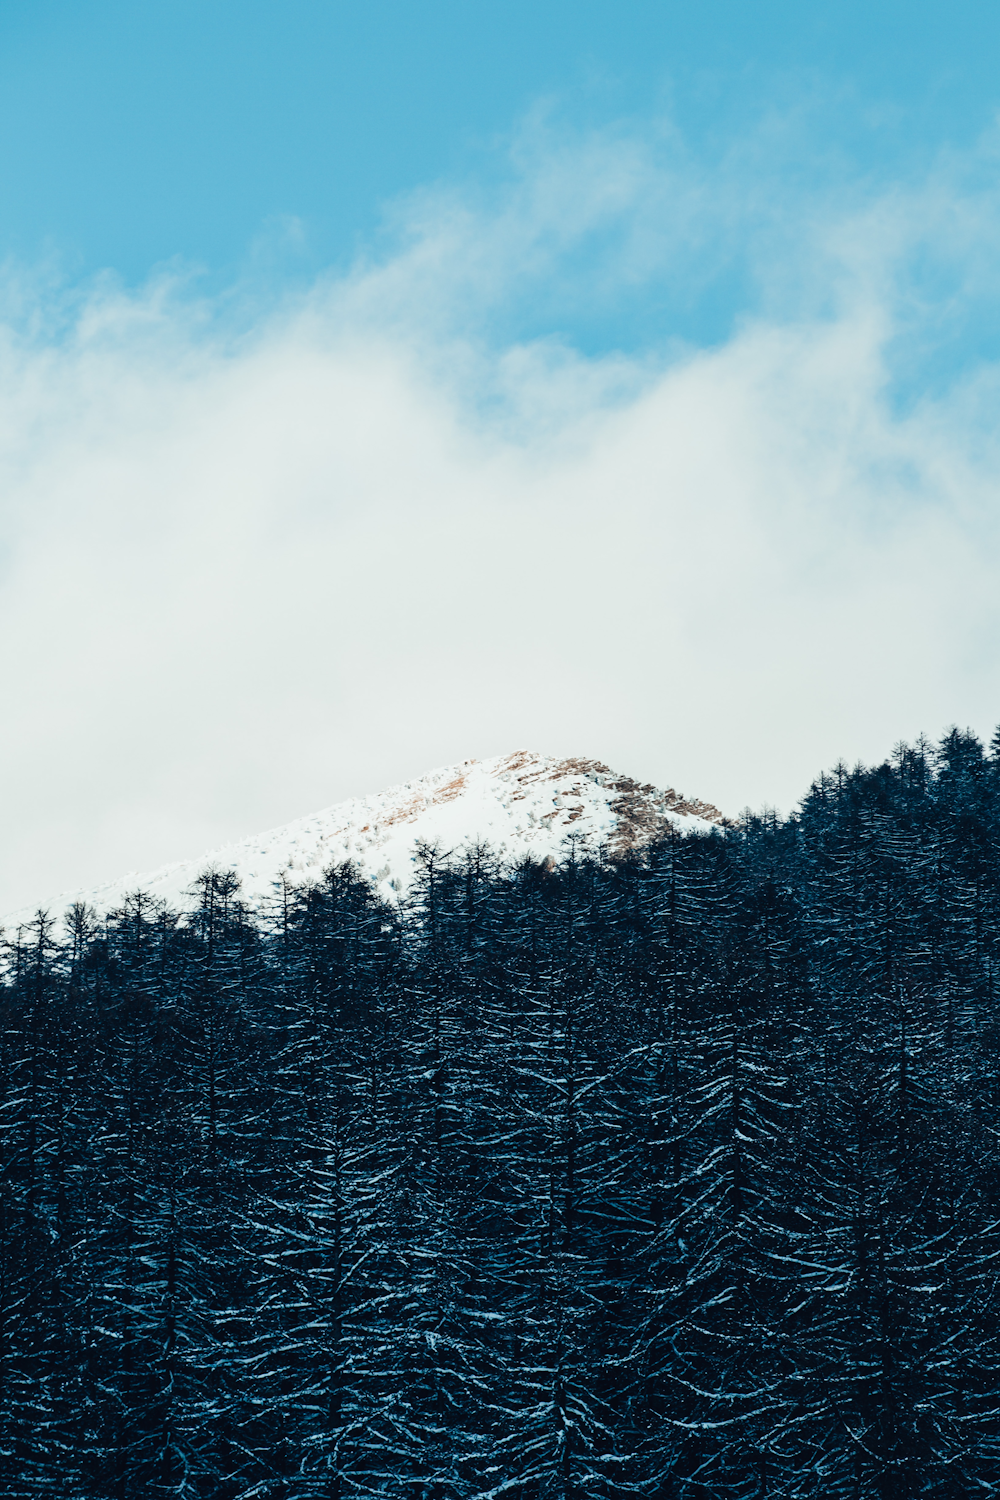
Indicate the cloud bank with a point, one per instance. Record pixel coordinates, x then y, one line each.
256 559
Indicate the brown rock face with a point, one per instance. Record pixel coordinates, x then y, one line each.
641 809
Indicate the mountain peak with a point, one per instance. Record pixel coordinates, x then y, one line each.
522 804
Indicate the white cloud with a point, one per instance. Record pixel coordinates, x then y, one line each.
243 576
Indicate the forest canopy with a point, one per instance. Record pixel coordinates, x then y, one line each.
673 1175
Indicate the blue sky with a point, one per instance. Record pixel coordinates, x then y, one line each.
134 134
383 384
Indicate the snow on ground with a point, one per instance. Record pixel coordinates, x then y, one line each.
520 804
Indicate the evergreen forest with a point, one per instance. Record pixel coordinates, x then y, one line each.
672 1176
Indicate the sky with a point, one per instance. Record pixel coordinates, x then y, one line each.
383 385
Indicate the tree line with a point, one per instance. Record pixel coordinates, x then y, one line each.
673 1175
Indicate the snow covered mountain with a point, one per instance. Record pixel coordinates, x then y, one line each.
518 804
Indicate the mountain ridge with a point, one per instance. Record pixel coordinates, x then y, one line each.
521 805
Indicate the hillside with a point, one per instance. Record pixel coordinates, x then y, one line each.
521 804
619 1179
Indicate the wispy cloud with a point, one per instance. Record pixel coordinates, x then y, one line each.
256 560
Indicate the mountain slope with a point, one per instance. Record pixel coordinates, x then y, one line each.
520 804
